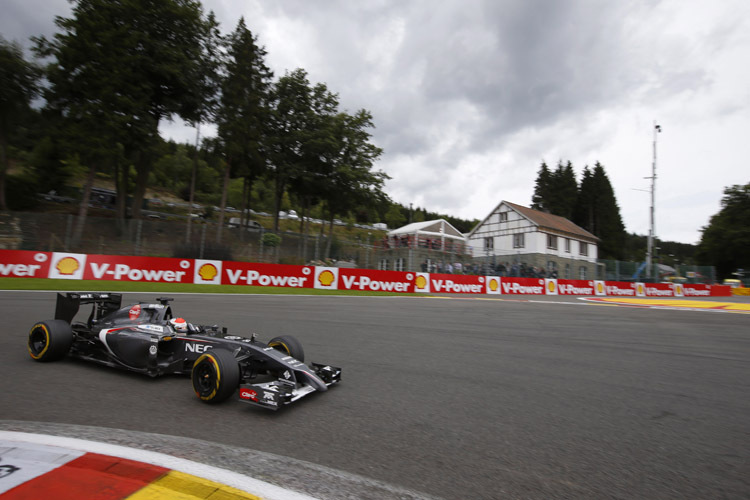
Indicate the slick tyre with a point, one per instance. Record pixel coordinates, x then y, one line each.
215 376
50 340
288 345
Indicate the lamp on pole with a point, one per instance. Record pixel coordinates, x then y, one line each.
651 230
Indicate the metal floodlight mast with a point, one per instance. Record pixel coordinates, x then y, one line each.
651 230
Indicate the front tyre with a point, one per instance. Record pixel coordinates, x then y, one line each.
50 340
215 376
288 345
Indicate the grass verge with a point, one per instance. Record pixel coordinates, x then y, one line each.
129 286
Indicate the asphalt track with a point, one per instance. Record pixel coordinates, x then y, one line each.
456 398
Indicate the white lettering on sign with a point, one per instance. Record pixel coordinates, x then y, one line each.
574 290
20 270
190 346
655 292
253 277
364 282
694 292
123 270
614 290
521 289
449 286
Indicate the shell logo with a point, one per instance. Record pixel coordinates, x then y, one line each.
678 290
551 287
493 285
207 272
640 289
420 283
67 266
326 278
600 288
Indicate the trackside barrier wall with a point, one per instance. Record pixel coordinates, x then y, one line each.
74 266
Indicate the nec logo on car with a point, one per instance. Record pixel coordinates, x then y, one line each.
197 347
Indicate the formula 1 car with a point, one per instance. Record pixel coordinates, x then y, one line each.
147 338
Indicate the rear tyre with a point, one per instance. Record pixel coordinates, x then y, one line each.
50 340
288 345
215 376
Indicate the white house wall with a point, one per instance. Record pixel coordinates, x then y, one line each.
535 240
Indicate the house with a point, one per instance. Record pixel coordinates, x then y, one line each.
513 237
428 245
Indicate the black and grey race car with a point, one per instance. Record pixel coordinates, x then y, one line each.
146 338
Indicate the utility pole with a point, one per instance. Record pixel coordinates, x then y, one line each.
651 230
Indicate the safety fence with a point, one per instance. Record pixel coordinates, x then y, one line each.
76 266
172 237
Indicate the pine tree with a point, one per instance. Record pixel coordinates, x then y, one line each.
563 191
542 189
597 212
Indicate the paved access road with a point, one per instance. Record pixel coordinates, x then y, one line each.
457 398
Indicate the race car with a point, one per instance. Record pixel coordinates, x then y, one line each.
148 338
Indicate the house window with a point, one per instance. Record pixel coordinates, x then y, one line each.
518 240
567 271
582 273
584 248
552 269
489 243
552 242
398 264
567 245
383 264
503 216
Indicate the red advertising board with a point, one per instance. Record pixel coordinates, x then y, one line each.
720 290
457 283
655 290
376 281
149 269
24 264
575 287
619 289
73 266
522 286
273 275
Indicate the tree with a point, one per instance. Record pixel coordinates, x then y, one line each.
353 180
542 189
597 212
18 86
555 191
726 238
118 68
243 113
291 114
564 191
394 217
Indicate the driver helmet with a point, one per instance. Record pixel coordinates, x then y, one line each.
179 325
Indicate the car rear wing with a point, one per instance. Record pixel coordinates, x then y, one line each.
104 303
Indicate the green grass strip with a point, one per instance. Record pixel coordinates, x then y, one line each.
131 286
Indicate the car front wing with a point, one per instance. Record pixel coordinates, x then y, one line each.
280 392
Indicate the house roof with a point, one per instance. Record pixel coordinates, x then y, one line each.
546 222
439 227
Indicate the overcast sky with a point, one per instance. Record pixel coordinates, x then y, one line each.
470 96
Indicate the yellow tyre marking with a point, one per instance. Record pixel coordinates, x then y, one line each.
177 485
46 344
274 344
218 376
